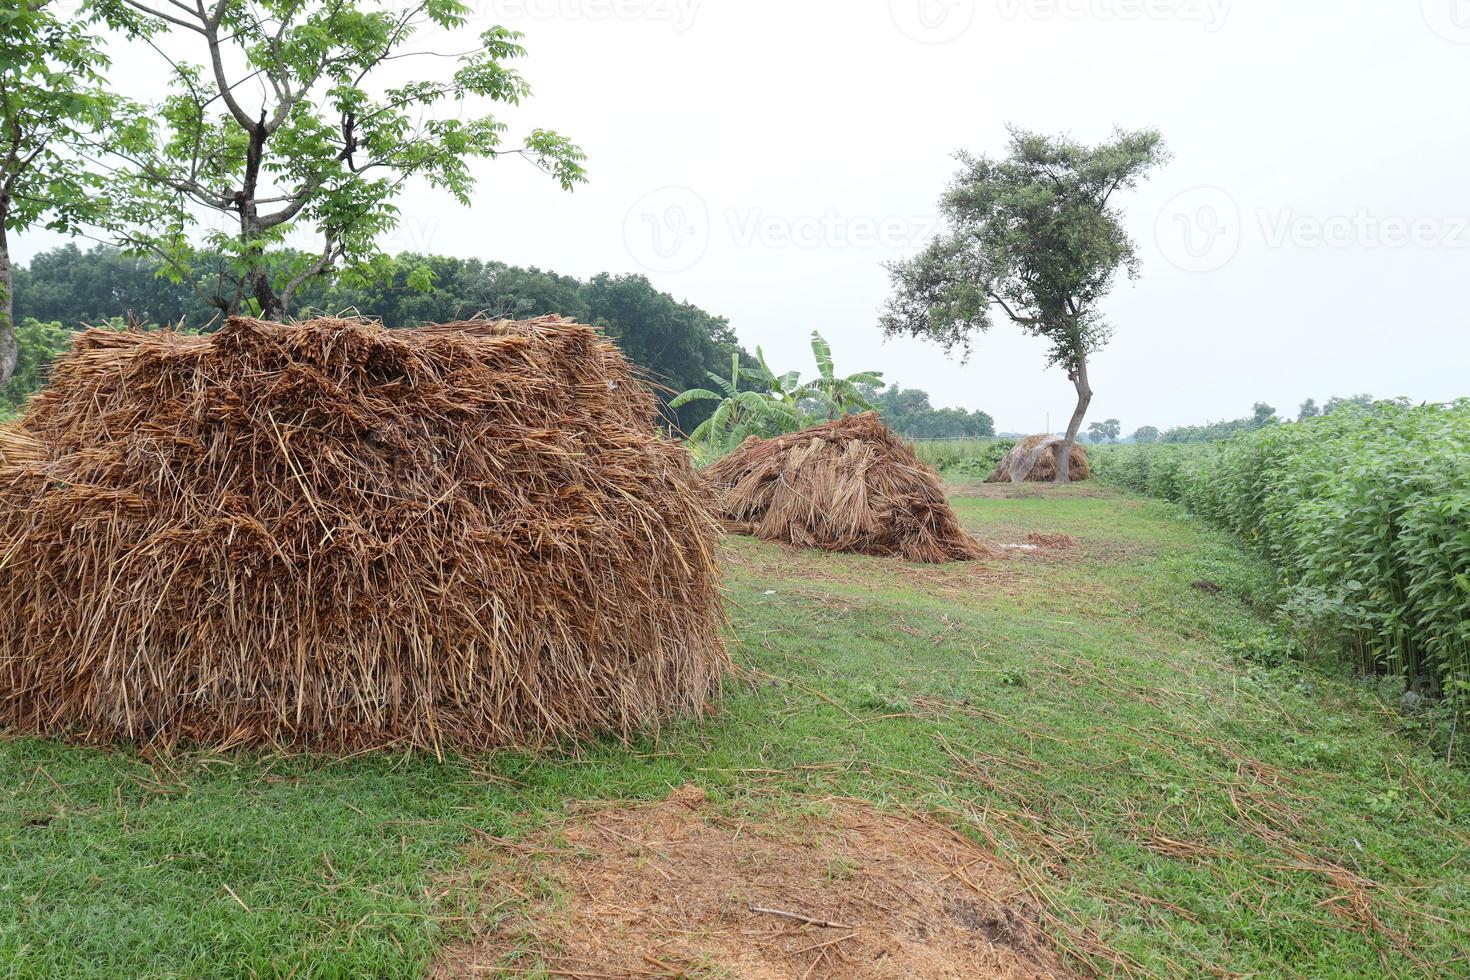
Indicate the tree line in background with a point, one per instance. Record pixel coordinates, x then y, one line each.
908 411
677 344
1262 415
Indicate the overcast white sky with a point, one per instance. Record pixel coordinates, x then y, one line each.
763 159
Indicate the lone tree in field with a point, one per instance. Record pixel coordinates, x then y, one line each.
53 111
282 124
1035 235
1105 431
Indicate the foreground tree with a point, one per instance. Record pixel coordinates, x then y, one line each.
282 127
1037 236
53 111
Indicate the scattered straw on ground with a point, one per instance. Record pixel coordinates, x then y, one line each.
1052 541
1035 460
342 537
849 485
674 889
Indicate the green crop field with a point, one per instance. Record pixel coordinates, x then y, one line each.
1175 801
1365 516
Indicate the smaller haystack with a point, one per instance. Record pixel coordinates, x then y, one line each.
1034 459
848 485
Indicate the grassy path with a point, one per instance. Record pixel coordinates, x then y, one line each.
1089 711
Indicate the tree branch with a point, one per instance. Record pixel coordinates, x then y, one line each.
315 269
1021 320
186 25
216 59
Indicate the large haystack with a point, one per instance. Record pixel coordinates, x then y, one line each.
848 485
336 536
1034 459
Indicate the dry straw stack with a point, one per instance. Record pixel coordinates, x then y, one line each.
848 485
1034 460
335 536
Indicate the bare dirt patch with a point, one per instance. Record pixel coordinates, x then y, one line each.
677 889
974 487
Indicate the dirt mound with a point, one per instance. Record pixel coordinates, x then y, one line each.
1034 459
337 536
673 889
849 485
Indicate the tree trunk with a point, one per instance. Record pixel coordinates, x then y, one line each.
1084 398
9 349
270 304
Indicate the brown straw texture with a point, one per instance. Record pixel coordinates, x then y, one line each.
334 536
848 485
1034 460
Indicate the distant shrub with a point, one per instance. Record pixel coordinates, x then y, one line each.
1365 513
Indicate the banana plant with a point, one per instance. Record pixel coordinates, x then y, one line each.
742 413
785 388
838 396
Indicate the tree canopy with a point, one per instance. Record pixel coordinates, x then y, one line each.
1107 431
1036 235
55 113
277 122
1146 435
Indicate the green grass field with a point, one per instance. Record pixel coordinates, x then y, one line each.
1095 713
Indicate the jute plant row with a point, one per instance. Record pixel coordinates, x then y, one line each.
1365 513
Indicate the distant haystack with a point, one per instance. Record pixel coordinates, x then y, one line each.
848 485
336 536
1034 460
